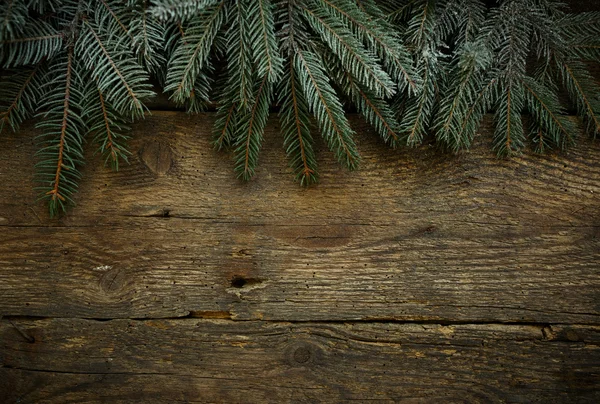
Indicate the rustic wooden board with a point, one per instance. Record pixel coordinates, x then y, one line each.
78 361
415 235
423 277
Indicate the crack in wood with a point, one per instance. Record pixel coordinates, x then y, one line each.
230 316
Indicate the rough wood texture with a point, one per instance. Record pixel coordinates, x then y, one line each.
78 361
462 278
414 235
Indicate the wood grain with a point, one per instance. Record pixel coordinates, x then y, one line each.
423 277
192 360
414 235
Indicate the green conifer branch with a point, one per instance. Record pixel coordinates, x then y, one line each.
199 98
510 28
113 13
191 55
121 79
550 117
421 27
375 110
326 108
263 40
239 56
179 10
294 116
251 128
475 112
43 7
396 11
367 23
63 127
352 54
462 92
19 96
509 134
148 37
584 91
225 124
107 126
13 16
37 41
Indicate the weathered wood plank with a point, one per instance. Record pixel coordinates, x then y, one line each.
413 235
191 360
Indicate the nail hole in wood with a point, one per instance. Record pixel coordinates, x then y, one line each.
238 282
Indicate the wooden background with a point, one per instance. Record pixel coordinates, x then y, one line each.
423 277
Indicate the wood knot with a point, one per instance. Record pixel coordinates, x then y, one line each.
157 156
301 354
112 280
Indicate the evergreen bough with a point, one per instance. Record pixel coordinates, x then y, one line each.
412 68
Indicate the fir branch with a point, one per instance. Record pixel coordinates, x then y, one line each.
38 40
107 127
224 130
148 37
251 126
294 117
225 124
423 37
199 98
582 35
396 11
586 49
354 57
239 56
420 108
293 33
19 96
375 110
191 55
120 78
263 39
509 135
421 26
584 91
63 135
579 26
43 7
546 38
478 108
549 116
13 16
462 90
179 10
367 23
174 37
464 19
512 39
236 88
510 32
110 17
326 108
